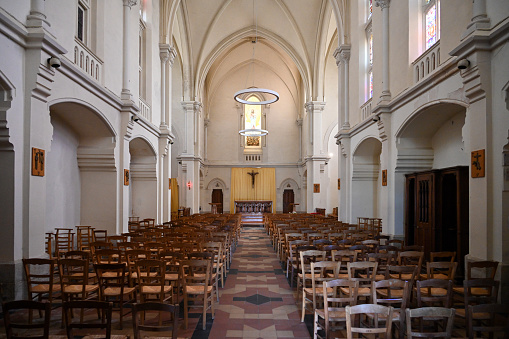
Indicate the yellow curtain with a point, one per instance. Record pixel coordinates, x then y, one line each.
242 185
174 196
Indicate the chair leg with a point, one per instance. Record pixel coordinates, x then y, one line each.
303 306
185 310
315 327
205 303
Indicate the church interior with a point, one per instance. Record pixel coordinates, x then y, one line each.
261 125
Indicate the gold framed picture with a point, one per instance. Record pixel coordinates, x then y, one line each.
477 164
38 159
384 177
316 188
339 184
126 177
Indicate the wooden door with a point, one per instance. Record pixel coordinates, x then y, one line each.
288 197
425 211
217 197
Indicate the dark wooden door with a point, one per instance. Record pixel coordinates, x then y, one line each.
288 197
425 232
217 197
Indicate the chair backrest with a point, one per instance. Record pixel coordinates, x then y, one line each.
488 286
411 258
434 313
151 273
426 295
140 311
482 269
309 256
362 271
378 311
111 276
442 256
321 272
497 320
396 242
39 271
389 297
197 273
336 300
383 259
407 273
14 324
100 235
74 272
72 323
441 270
107 256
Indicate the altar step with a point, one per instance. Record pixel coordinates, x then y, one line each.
252 218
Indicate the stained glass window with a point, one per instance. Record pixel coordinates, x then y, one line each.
431 26
370 47
253 120
370 10
370 84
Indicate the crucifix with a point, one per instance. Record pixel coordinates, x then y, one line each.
252 174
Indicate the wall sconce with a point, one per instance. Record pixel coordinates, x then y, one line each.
54 62
134 118
189 185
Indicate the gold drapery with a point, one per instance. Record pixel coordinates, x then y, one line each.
242 187
174 197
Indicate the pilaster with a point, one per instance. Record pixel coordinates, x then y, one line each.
386 92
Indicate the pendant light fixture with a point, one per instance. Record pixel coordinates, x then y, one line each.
254 132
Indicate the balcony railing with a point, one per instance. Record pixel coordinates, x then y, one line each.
253 157
366 110
427 63
87 60
145 110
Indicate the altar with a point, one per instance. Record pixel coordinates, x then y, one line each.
253 206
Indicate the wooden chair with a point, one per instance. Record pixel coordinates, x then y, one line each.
113 286
334 303
319 275
74 281
89 327
218 267
426 313
64 240
100 235
133 256
140 312
304 276
441 270
151 281
345 257
396 242
292 260
198 287
40 277
108 256
496 319
442 256
434 292
84 236
174 273
394 293
364 272
376 312
478 270
471 299
26 328
411 258
384 260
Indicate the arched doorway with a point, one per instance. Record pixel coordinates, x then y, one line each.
143 185
81 186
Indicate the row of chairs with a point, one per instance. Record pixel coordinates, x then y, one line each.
17 326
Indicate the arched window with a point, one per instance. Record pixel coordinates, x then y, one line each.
369 50
431 19
253 120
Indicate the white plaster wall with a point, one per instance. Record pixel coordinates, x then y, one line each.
63 184
332 172
448 144
144 198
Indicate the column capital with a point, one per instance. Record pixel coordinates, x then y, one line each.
299 122
206 122
314 106
383 4
167 53
342 54
195 106
130 3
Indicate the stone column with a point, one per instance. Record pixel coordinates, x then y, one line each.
342 56
191 160
315 162
386 92
126 92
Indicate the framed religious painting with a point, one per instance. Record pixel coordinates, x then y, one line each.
477 164
38 159
126 177
339 184
316 188
384 177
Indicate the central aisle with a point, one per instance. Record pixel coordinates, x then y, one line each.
257 301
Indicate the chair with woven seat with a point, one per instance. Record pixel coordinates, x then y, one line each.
198 287
377 312
64 240
218 267
40 277
485 269
321 272
140 311
113 286
304 276
394 293
26 328
441 270
384 260
495 319
174 273
434 314
334 306
345 256
132 257
411 258
490 296
292 260
364 272
434 292
151 281
91 327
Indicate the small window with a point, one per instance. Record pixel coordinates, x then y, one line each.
431 22
81 23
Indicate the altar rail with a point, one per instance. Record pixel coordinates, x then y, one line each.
253 206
